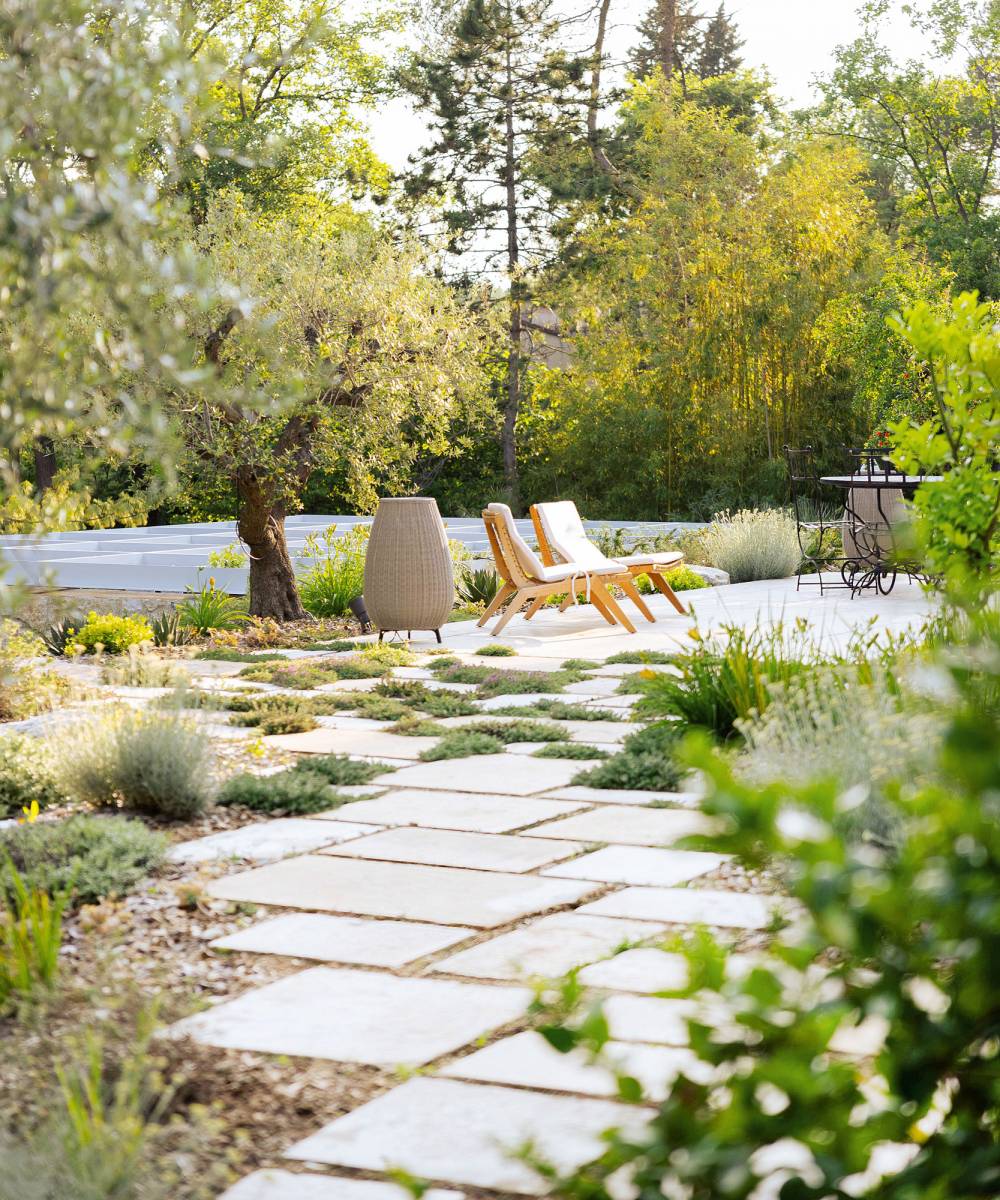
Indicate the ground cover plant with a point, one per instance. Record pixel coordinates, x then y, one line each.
227 654
138 667
558 710
110 632
26 687
28 775
87 856
569 750
647 761
462 743
309 786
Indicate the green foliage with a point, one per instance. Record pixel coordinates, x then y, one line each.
751 544
225 654
61 634
635 657
139 668
579 664
30 937
168 630
413 726
229 556
462 743
26 687
495 650
519 730
153 762
558 710
681 579
958 519
905 941
67 504
519 683
89 857
444 704
569 750
478 587
209 609
647 762
337 575
340 770
308 787
27 774
305 674
111 632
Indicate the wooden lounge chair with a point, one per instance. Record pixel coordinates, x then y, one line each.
528 581
562 537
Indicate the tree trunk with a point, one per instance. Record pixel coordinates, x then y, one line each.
45 464
668 36
512 403
273 591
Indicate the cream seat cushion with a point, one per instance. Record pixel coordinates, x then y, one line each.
532 565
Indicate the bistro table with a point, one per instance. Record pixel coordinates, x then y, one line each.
872 495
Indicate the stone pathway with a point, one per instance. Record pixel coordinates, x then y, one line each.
430 911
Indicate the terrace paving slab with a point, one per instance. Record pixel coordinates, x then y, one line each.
288 1185
627 826
355 940
359 743
688 906
470 812
265 841
523 700
466 1133
644 969
545 949
649 1019
492 773
340 721
357 1016
439 895
593 687
626 864
590 795
527 1060
448 848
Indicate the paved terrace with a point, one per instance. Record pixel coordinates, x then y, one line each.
170 558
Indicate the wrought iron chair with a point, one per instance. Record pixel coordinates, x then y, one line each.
810 506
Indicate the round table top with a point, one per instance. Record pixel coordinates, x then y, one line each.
880 480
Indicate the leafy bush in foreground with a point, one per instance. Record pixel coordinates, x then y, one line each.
753 544
88 856
30 937
27 773
646 762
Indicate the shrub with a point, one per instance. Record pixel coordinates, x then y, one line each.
753 544
113 633
338 574
412 726
341 770
168 630
445 704
25 687
153 762
495 650
639 657
229 556
463 743
226 654
208 609
478 587
569 750
61 634
519 730
30 937
288 791
646 763
558 710
289 721
402 689
377 708
715 687
385 655
27 773
681 579
142 669
516 683
89 857
580 664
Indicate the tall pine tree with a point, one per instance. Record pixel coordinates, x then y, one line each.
720 47
669 36
498 85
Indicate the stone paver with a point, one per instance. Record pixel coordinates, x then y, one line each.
649 1019
366 743
527 1060
357 1016
475 851
465 1133
695 906
545 949
593 687
344 939
644 969
469 811
625 864
266 841
504 773
628 826
589 795
525 700
440 895
288 1185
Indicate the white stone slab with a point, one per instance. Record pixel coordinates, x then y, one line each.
593 687
644 969
473 812
448 848
504 773
340 721
288 1185
545 949
355 940
443 1129
360 743
420 673
349 685
622 825
590 795
688 906
527 1060
630 864
440 895
525 700
357 1016
649 1019
265 841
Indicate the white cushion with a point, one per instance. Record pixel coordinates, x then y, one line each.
566 535
532 565
653 560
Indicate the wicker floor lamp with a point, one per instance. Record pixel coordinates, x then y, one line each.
408 574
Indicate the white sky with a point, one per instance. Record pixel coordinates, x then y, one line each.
793 40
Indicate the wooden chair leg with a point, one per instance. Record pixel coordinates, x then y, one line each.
498 601
566 602
513 609
597 602
599 592
534 606
633 593
661 584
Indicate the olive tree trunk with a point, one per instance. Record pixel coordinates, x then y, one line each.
261 526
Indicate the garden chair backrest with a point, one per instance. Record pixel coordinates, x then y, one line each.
561 532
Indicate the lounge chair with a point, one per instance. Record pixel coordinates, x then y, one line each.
528 581
562 537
